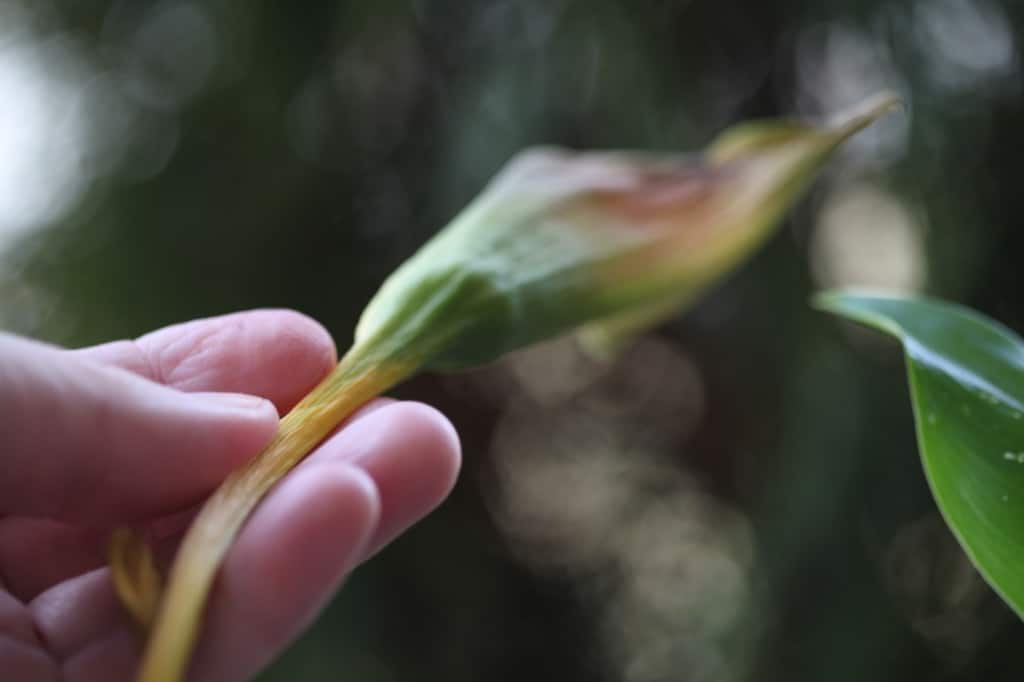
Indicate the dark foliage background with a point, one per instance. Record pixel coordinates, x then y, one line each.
739 498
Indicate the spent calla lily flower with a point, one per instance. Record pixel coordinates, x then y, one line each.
606 243
603 240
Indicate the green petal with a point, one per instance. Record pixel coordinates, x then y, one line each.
562 239
765 166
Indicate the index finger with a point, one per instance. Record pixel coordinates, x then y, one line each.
275 354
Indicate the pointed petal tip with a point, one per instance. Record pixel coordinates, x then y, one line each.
753 136
866 112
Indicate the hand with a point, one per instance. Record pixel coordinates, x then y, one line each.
138 433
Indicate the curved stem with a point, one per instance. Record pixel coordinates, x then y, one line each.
354 381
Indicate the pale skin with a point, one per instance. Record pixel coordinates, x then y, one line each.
138 433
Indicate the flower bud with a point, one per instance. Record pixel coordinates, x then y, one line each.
607 241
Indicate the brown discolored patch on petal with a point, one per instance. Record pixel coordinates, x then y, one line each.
658 195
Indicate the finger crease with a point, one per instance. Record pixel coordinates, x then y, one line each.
153 370
86 648
41 650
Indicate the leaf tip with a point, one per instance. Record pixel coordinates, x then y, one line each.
825 301
862 306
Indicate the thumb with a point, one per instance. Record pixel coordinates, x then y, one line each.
89 443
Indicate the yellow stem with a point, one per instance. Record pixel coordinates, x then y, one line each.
136 579
352 383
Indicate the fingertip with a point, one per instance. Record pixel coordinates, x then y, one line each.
413 454
297 353
436 443
318 513
304 339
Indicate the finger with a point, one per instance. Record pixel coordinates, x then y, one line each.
277 354
284 567
285 564
91 443
410 450
16 620
298 535
38 553
411 454
74 614
115 657
20 661
85 629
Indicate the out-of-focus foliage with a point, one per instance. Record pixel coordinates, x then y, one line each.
966 377
739 497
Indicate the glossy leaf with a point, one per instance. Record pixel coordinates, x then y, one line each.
966 377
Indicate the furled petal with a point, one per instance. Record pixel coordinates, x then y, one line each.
608 241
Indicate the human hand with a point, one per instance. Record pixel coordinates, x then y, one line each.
139 433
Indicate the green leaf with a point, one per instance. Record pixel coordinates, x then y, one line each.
967 385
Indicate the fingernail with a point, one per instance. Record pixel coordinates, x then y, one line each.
238 401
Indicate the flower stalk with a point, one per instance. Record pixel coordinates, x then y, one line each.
357 379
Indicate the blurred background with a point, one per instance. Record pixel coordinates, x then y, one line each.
739 497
